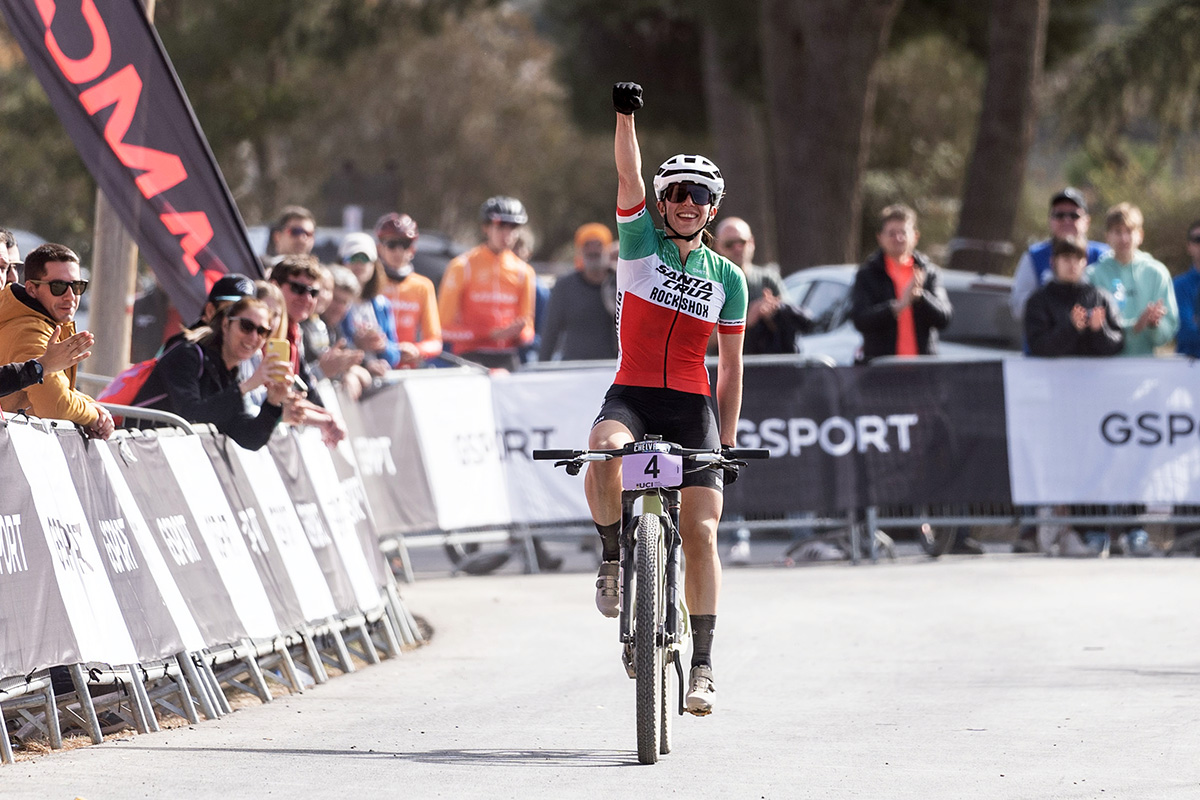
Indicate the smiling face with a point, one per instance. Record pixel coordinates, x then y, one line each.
300 301
239 344
63 307
686 218
1068 221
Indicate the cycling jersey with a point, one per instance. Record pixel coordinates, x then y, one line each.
481 292
414 306
666 311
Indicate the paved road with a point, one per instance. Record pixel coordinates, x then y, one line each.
1000 676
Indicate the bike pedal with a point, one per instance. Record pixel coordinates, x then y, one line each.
627 661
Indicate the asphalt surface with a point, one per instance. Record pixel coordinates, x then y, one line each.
996 676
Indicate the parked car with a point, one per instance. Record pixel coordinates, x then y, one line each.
434 250
982 326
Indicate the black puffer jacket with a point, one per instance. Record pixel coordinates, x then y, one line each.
871 307
192 381
1048 328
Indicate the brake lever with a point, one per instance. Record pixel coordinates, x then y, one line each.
573 466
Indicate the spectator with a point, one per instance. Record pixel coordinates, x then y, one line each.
354 377
1187 297
772 323
579 317
1069 317
1068 219
200 379
898 302
413 298
1139 283
10 258
370 323
292 234
486 302
36 314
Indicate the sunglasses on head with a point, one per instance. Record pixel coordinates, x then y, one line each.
299 232
398 244
59 288
300 288
678 192
250 326
1071 215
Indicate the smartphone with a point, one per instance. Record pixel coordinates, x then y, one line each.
281 348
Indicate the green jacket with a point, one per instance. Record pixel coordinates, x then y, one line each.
1134 286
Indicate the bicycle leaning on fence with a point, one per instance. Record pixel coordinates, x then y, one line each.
653 620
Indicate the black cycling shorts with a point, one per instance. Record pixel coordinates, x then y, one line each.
687 419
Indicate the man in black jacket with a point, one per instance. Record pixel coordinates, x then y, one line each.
898 303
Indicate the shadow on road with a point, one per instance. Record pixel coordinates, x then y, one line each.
517 758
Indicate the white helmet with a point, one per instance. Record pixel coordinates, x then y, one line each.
692 169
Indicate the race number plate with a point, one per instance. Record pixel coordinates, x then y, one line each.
651 471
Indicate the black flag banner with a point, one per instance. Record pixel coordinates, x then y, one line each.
110 82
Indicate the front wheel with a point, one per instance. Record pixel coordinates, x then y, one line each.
648 655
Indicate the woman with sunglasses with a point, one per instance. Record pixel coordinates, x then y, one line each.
199 378
672 290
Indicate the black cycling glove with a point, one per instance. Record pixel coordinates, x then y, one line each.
627 97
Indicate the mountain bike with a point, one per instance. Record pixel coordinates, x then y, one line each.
653 619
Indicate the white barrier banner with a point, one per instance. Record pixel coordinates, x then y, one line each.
97 623
456 428
221 535
286 533
1112 431
549 410
338 515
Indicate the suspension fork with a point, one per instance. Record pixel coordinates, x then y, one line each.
672 542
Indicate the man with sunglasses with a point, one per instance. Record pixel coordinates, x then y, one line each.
672 291
414 300
1187 296
10 257
486 302
1068 220
30 316
292 234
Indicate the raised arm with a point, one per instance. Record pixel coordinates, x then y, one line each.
631 189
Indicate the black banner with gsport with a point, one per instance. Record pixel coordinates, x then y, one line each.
878 435
114 89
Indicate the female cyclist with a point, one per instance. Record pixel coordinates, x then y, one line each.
671 291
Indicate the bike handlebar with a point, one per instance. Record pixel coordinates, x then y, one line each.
732 452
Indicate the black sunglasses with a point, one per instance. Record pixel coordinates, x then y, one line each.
59 288
300 288
1071 215
249 326
299 232
1194 239
678 192
398 244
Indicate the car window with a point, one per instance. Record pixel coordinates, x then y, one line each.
825 301
981 316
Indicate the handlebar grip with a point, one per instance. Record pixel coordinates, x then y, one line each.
554 455
748 452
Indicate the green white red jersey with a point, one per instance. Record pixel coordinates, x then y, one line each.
666 310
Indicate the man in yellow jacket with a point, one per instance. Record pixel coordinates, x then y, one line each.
29 316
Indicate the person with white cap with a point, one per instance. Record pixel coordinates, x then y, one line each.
370 323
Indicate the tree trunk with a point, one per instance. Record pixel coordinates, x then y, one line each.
819 59
738 128
1016 49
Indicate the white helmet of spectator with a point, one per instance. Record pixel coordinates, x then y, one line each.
689 169
503 209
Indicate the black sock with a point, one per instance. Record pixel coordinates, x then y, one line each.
703 626
610 540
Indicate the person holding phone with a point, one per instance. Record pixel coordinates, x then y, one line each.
898 303
199 379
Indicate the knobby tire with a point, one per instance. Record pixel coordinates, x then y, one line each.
648 656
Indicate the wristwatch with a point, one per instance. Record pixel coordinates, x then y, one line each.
37 369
